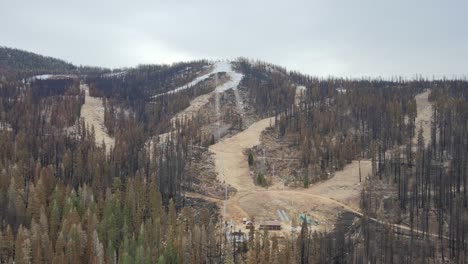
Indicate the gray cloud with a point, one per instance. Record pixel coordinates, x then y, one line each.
344 38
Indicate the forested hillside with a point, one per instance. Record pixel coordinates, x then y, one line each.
15 61
420 186
154 196
64 200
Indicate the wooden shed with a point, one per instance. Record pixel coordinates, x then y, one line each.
270 225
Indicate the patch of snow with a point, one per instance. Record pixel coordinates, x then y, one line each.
341 90
42 77
234 77
221 66
50 76
270 68
301 87
5 127
186 69
114 74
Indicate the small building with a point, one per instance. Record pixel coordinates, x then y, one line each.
270 225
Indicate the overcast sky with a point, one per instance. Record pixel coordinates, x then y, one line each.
341 38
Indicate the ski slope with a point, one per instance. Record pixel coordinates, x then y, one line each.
114 74
220 66
44 77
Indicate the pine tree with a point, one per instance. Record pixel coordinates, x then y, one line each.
304 243
23 251
7 244
250 159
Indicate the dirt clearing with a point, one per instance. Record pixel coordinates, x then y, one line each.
323 200
424 115
93 113
231 164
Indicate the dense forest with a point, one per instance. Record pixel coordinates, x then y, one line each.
65 198
18 64
16 59
54 176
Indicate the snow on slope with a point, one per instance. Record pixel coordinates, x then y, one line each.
114 74
220 66
51 76
42 77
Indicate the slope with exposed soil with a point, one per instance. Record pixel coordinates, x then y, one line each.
323 200
92 112
222 85
251 201
424 114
